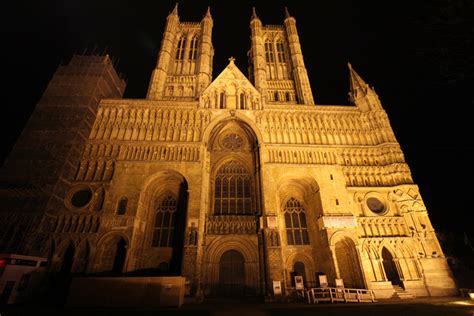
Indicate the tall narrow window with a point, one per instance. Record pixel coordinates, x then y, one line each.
242 101
164 223
232 194
193 48
122 206
221 100
295 222
269 52
280 52
180 49
276 96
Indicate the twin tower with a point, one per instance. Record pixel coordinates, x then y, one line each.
276 65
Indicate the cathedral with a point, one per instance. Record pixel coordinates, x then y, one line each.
232 182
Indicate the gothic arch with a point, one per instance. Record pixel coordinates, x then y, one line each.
155 189
305 259
249 250
108 248
348 261
216 125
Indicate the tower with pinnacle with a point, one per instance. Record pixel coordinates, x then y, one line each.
236 182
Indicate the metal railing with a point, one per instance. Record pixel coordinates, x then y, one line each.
333 294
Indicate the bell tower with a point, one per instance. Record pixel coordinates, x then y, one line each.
184 67
276 64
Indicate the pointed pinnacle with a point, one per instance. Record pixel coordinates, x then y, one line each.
208 12
287 14
356 81
254 13
175 10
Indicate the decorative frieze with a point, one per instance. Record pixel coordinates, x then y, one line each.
382 227
159 153
394 174
301 156
157 123
324 126
77 223
231 224
337 221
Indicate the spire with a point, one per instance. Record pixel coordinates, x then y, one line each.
208 12
358 84
175 10
287 14
361 94
254 13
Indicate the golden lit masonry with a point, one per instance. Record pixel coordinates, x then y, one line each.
231 182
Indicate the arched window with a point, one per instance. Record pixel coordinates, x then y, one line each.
276 96
295 222
287 96
242 101
122 206
269 52
232 194
180 49
193 48
221 100
164 223
280 52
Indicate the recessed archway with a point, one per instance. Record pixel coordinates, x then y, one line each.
390 267
232 274
348 263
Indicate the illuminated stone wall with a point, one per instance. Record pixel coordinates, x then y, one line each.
337 173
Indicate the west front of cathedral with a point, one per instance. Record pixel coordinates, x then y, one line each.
231 182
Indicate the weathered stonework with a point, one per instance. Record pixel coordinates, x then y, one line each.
235 183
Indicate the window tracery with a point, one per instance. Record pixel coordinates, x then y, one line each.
164 223
232 190
295 222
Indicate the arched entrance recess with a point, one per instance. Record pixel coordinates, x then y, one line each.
232 274
390 267
348 263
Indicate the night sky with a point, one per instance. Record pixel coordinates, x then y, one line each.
418 56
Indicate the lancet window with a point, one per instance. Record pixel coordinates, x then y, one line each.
232 190
295 222
164 223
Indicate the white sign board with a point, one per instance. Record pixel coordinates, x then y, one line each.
276 287
299 285
323 280
339 283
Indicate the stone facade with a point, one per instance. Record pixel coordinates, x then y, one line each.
236 182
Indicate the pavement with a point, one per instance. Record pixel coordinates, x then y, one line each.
445 306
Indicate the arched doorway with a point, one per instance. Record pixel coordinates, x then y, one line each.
298 269
348 263
390 267
119 259
68 259
112 254
232 274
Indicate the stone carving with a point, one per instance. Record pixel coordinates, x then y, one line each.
232 141
231 224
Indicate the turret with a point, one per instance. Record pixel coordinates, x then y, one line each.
184 67
257 54
361 94
207 52
158 77
300 75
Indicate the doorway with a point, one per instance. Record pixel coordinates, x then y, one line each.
232 274
390 268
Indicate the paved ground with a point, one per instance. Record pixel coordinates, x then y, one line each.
421 306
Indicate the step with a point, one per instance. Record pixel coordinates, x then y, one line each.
400 293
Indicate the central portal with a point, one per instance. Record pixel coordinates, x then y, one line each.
232 274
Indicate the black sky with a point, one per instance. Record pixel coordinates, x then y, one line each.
418 55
